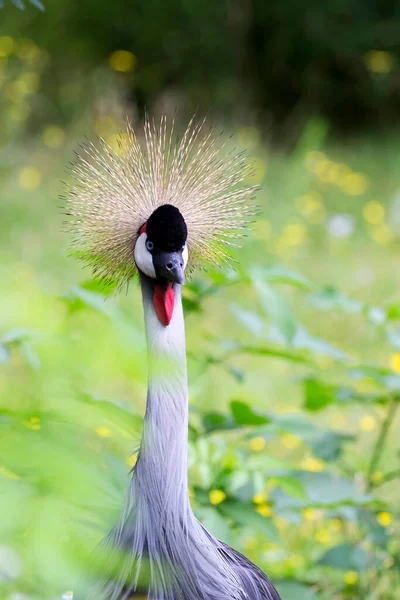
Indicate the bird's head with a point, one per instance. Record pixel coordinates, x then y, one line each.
159 205
161 255
160 251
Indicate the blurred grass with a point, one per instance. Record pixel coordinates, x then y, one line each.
73 366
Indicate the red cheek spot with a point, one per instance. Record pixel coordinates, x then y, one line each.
143 229
163 300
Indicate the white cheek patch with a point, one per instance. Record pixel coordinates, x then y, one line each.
185 256
143 258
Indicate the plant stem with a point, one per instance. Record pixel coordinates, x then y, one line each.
381 440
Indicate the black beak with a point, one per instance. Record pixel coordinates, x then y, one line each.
169 265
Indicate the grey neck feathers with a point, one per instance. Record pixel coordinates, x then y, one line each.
162 466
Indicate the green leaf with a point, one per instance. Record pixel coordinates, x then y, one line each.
331 299
213 421
244 415
317 395
346 557
244 515
275 274
5 353
277 310
291 590
291 486
329 446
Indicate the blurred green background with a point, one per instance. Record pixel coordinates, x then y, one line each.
294 358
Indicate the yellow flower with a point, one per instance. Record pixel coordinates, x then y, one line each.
377 477
294 234
311 207
379 61
103 431
122 61
257 444
290 441
29 178
312 464
311 514
7 45
367 423
382 234
384 518
53 136
260 498
28 83
323 536
33 423
374 212
264 510
395 362
105 125
131 461
119 142
216 497
351 578
354 184
335 525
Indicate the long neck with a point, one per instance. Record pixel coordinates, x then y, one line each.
162 465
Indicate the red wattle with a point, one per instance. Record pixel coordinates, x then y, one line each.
163 300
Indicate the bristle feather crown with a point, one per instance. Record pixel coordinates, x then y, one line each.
115 192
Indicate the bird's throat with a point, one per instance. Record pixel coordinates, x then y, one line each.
163 301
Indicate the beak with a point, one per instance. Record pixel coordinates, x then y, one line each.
170 266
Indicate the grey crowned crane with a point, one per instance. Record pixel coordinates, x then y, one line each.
159 207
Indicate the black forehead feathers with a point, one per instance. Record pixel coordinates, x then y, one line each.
167 228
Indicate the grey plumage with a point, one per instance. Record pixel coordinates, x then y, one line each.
158 530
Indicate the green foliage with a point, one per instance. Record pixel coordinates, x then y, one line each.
294 358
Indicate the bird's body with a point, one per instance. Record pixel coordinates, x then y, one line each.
158 532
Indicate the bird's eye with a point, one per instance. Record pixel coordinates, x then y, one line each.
149 245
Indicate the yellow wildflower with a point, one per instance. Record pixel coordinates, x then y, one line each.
395 362
384 518
323 536
294 234
29 178
312 464
7 45
260 498
103 431
53 136
290 441
351 578
379 61
122 61
264 510
383 235
354 184
257 444
33 423
374 212
367 423
312 514
216 497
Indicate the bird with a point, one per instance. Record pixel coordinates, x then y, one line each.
158 206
